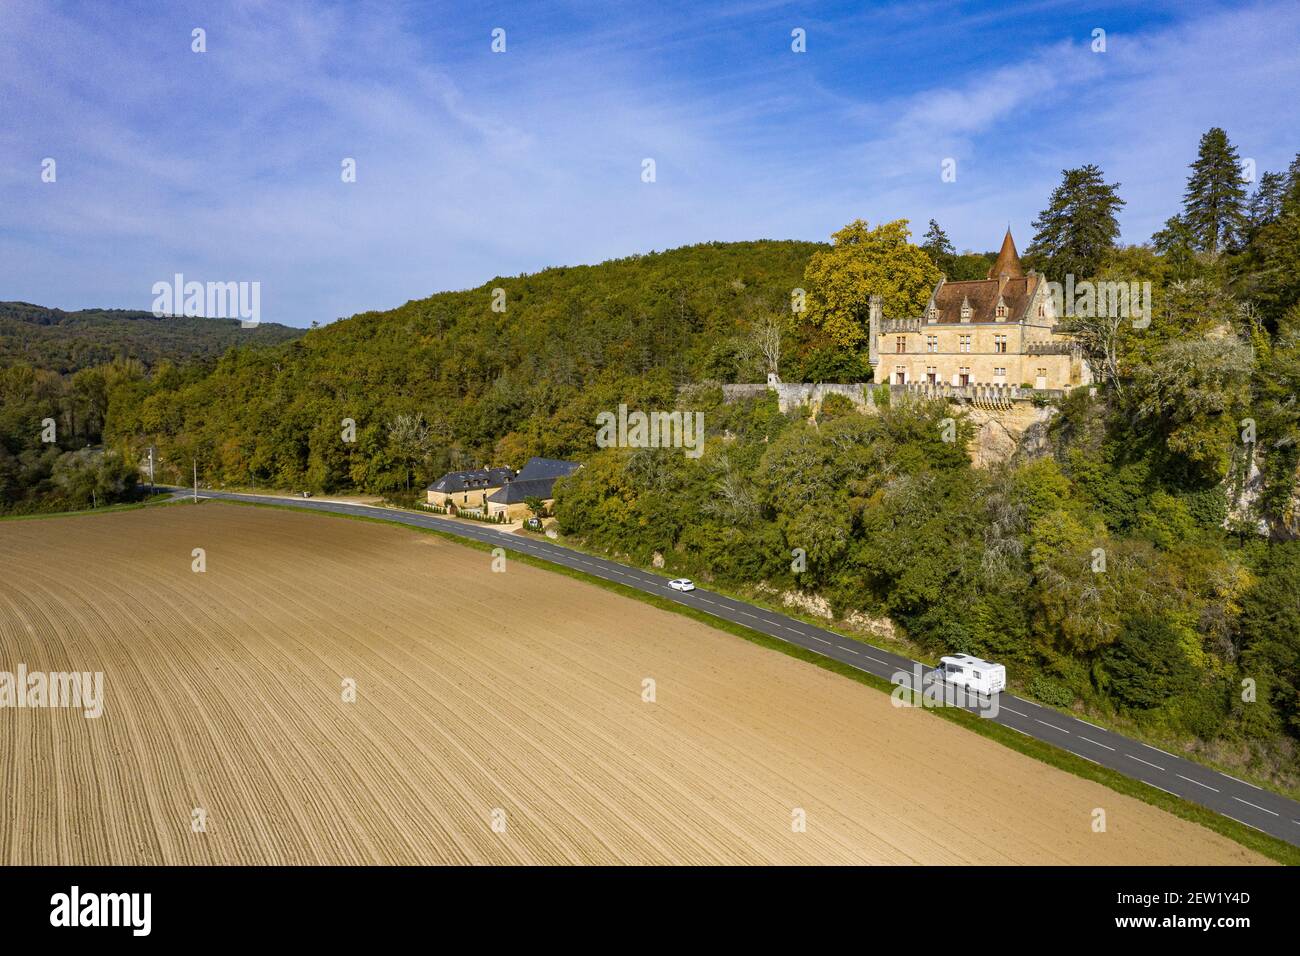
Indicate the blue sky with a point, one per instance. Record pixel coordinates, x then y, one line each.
225 165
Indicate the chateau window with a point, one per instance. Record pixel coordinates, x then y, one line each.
932 343
963 376
963 343
932 375
901 345
1042 310
966 313
999 343
1000 372
1001 312
932 314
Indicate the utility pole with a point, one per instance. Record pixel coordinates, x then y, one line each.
196 481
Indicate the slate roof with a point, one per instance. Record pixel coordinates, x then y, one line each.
547 468
457 481
536 479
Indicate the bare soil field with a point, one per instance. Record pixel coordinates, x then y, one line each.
499 718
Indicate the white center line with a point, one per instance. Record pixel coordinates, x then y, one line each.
1053 726
1198 783
1231 777
1147 762
1093 742
1256 806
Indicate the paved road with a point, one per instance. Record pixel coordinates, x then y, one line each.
1227 795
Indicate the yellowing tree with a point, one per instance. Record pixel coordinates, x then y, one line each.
864 262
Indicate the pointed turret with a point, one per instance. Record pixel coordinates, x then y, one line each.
1008 264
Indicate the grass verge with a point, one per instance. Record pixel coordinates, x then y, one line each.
153 501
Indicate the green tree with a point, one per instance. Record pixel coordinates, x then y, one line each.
1147 664
1215 201
938 247
1079 226
1270 631
1266 202
411 439
861 263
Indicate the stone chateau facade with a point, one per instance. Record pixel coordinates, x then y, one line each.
999 331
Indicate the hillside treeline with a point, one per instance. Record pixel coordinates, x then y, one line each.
1139 562
57 370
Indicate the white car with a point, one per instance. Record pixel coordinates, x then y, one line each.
682 584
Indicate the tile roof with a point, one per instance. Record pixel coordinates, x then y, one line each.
982 296
1008 262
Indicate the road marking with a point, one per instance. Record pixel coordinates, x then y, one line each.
1197 782
1147 762
850 650
1231 777
1093 726
876 659
1242 822
1093 742
1053 726
1161 789
1089 759
1256 806
1016 712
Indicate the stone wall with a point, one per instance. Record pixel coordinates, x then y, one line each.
790 395
1006 417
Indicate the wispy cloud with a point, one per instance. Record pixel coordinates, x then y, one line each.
225 165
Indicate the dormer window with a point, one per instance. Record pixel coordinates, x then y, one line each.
1000 312
966 311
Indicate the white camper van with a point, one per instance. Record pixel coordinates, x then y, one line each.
983 677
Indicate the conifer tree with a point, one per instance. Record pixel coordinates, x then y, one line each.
1079 226
939 247
1215 201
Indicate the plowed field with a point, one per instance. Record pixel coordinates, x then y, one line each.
499 718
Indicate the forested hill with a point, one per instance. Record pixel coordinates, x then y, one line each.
495 384
68 341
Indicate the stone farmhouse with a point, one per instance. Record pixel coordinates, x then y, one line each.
490 492
999 331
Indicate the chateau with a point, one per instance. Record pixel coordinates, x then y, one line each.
995 331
